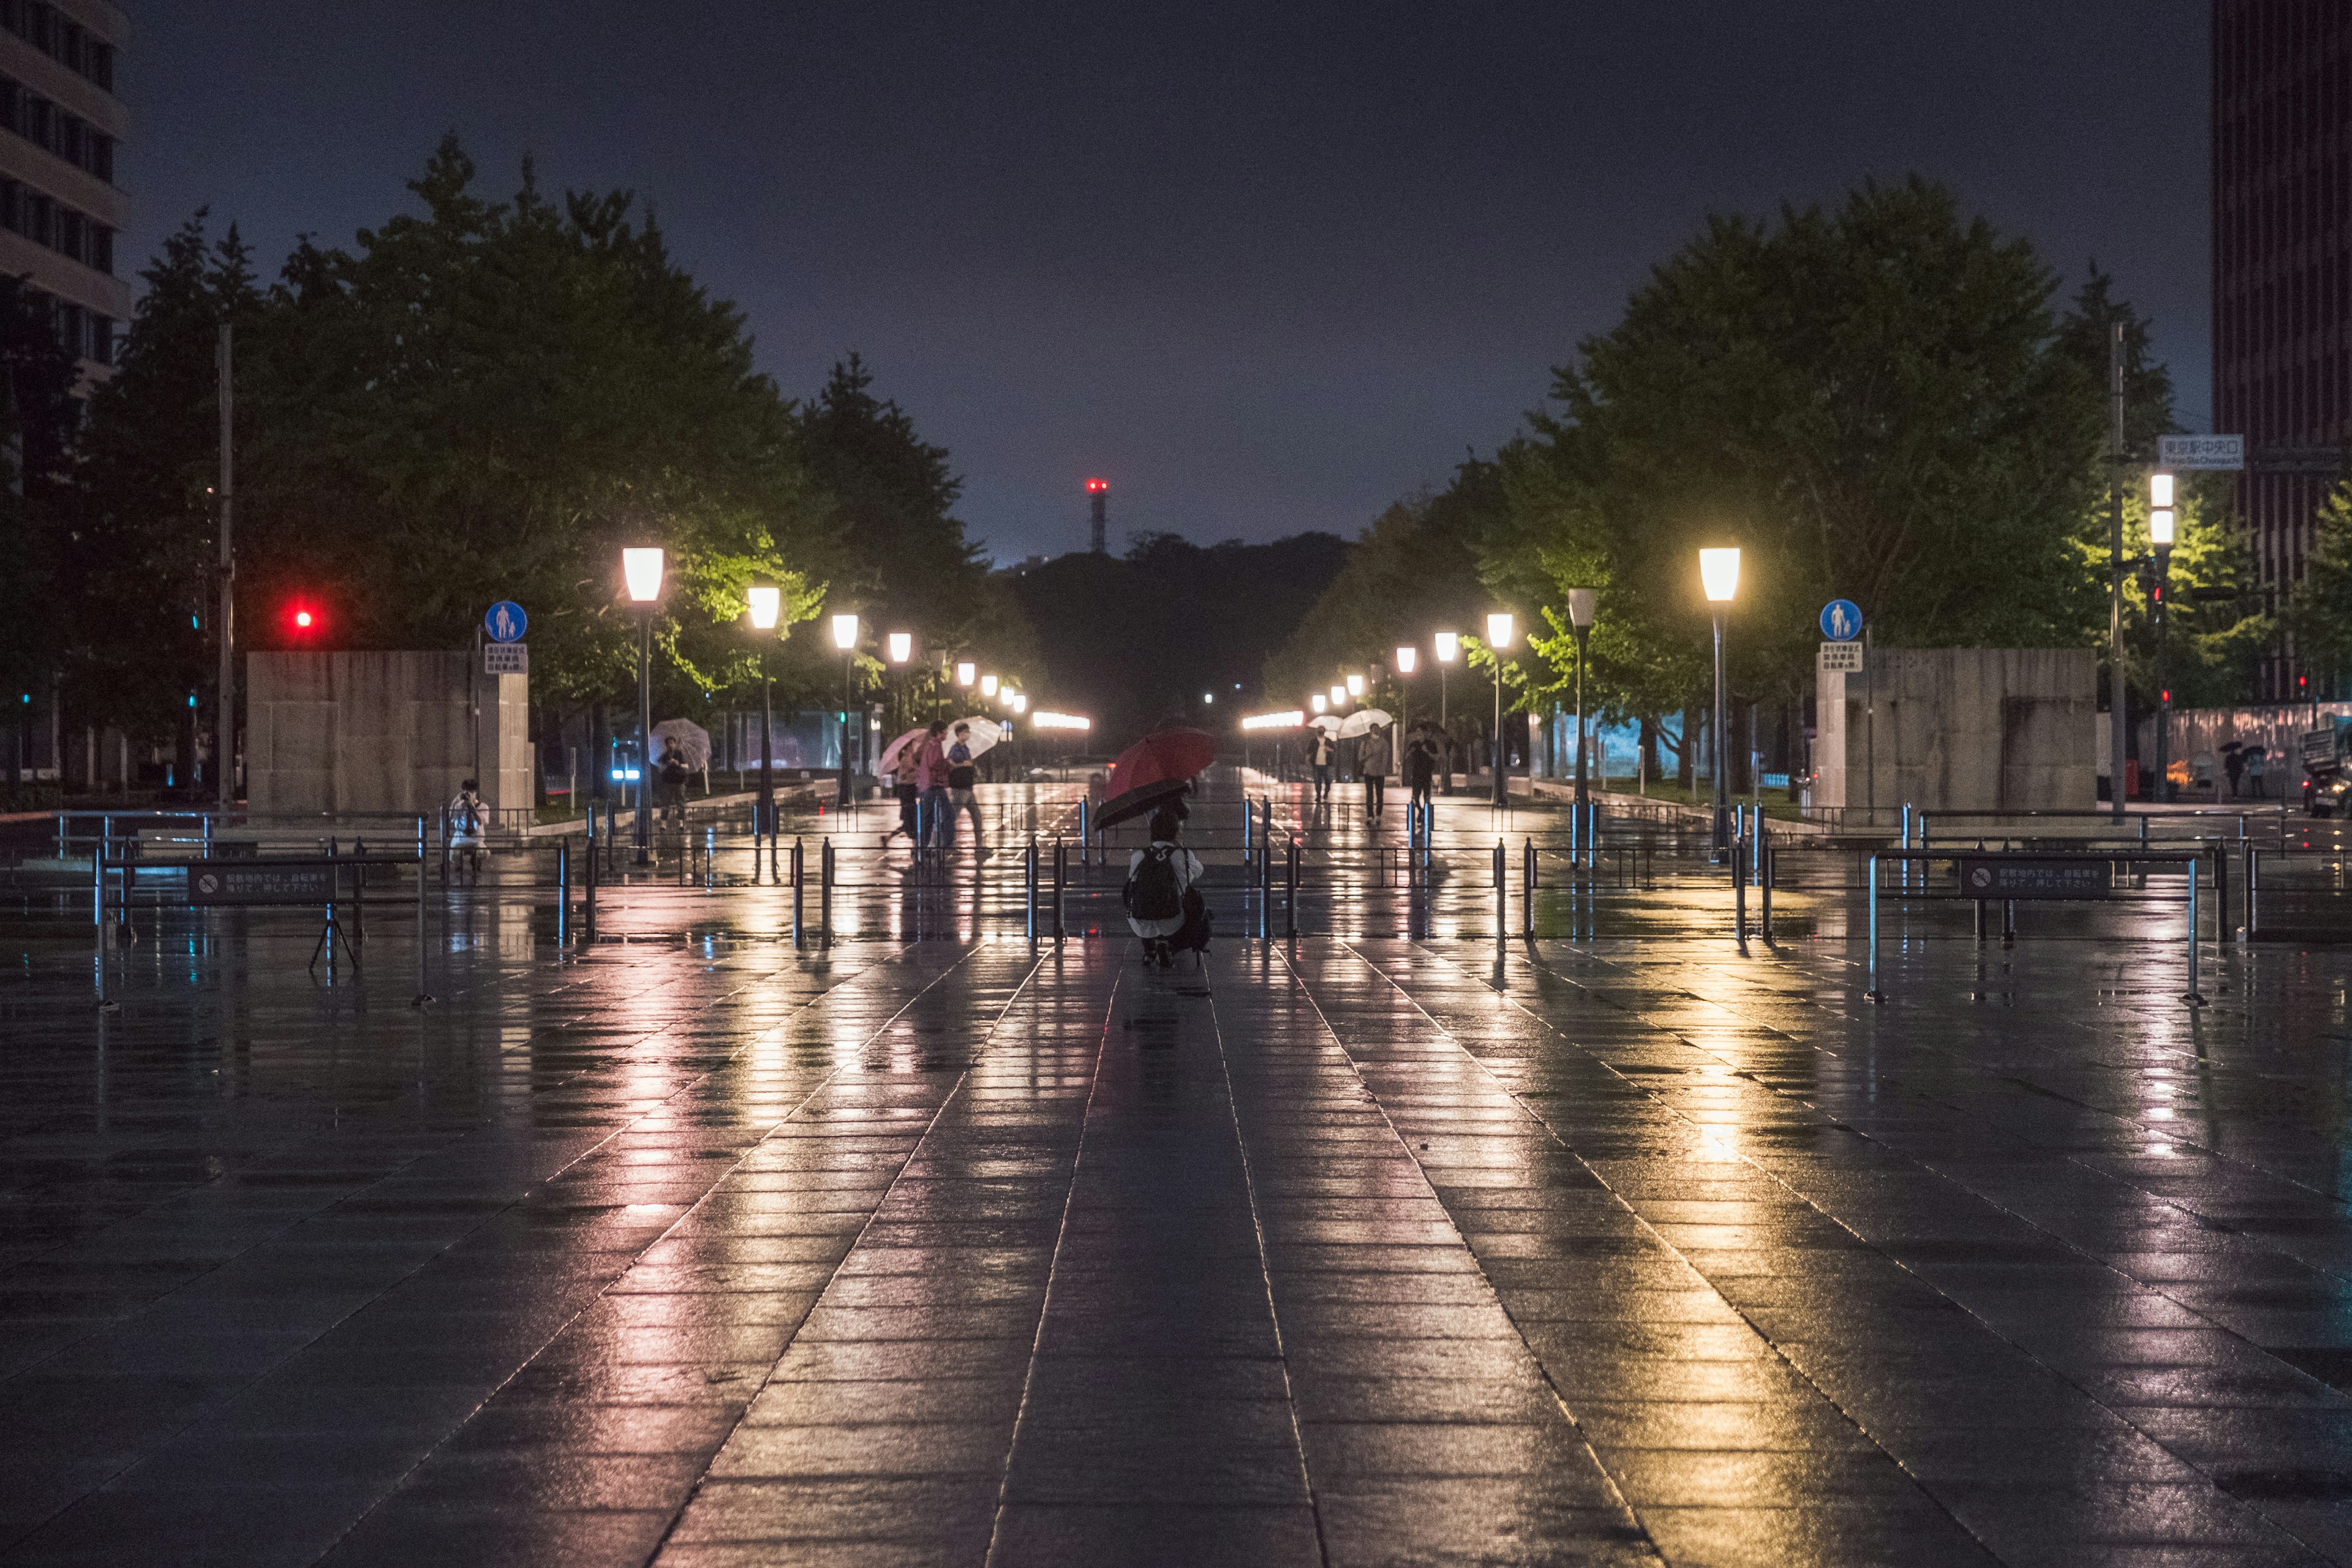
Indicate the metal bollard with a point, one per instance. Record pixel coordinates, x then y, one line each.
1249 828
1086 830
1527 895
588 895
1029 877
2253 856
1502 897
2220 892
562 892
709 857
1061 879
799 882
1764 885
1874 994
2194 998
1266 892
1740 850
825 892
1290 899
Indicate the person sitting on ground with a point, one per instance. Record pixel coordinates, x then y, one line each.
1164 905
469 824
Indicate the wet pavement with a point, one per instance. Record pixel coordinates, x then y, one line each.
932 1246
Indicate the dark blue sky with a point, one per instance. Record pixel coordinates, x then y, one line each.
1264 266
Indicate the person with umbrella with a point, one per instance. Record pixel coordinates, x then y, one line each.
1373 759
1325 748
962 776
931 783
1420 770
674 775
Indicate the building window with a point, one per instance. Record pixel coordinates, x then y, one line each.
63 41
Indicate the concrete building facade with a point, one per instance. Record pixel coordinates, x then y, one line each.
61 127
384 732
2282 150
1959 728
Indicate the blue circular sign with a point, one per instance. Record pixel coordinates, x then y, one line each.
1840 620
506 622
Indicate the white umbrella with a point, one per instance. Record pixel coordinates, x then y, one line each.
692 739
986 733
1325 721
1363 721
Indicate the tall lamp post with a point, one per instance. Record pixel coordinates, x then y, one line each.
1499 638
641 568
1581 602
1447 646
2159 537
766 604
1407 657
1718 574
844 638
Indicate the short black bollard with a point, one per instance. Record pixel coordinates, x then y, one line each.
1764 884
2220 892
1739 851
1527 898
825 892
1290 899
2253 857
1029 877
1061 879
562 892
800 938
1502 898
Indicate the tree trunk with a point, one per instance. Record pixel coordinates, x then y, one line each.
1686 754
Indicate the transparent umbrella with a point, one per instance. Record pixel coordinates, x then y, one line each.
693 741
1362 721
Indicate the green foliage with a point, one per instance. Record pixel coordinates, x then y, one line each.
2214 633
2320 614
1872 402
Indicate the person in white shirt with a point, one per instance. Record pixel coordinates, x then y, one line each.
1163 903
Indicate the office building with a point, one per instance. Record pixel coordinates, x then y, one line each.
60 129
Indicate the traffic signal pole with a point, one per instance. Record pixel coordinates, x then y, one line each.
2117 704
225 619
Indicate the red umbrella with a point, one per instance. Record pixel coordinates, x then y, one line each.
1157 767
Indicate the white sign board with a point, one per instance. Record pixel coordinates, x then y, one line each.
1841 659
506 658
2200 452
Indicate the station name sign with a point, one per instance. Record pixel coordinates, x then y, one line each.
2225 452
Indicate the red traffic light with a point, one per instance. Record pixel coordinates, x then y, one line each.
304 619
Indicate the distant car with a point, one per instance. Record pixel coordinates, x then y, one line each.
2327 778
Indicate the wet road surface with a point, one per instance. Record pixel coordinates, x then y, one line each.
1358 1249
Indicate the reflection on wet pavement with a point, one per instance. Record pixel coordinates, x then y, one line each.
933 1246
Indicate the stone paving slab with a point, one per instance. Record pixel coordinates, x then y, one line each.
1354 1249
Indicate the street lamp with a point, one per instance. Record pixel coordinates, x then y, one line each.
1319 702
844 638
641 568
1447 646
1581 604
1355 687
2159 537
966 673
1339 697
1407 657
767 608
987 687
1718 574
1499 638
901 647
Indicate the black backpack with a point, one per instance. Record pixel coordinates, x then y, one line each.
1152 893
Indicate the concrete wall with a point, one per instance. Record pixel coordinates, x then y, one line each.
1960 729
382 731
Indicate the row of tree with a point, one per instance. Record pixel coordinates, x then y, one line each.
476 400
1882 401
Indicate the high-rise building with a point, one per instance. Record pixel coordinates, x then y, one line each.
2282 274
61 125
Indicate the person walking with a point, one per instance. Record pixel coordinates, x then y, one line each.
902 785
931 786
1420 773
2233 762
674 775
2255 769
963 774
1325 750
1164 906
1373 760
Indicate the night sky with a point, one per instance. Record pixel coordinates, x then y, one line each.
1263 266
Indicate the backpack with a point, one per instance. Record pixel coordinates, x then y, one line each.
1152 893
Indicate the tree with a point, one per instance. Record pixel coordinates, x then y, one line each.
2320 613
1870 401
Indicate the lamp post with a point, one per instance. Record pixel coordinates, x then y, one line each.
2159 537
844 638
1447 646
641 569
1581 602
1499 638
900 647
767 603
1718 572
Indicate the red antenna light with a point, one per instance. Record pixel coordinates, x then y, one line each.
1097 487
302 617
